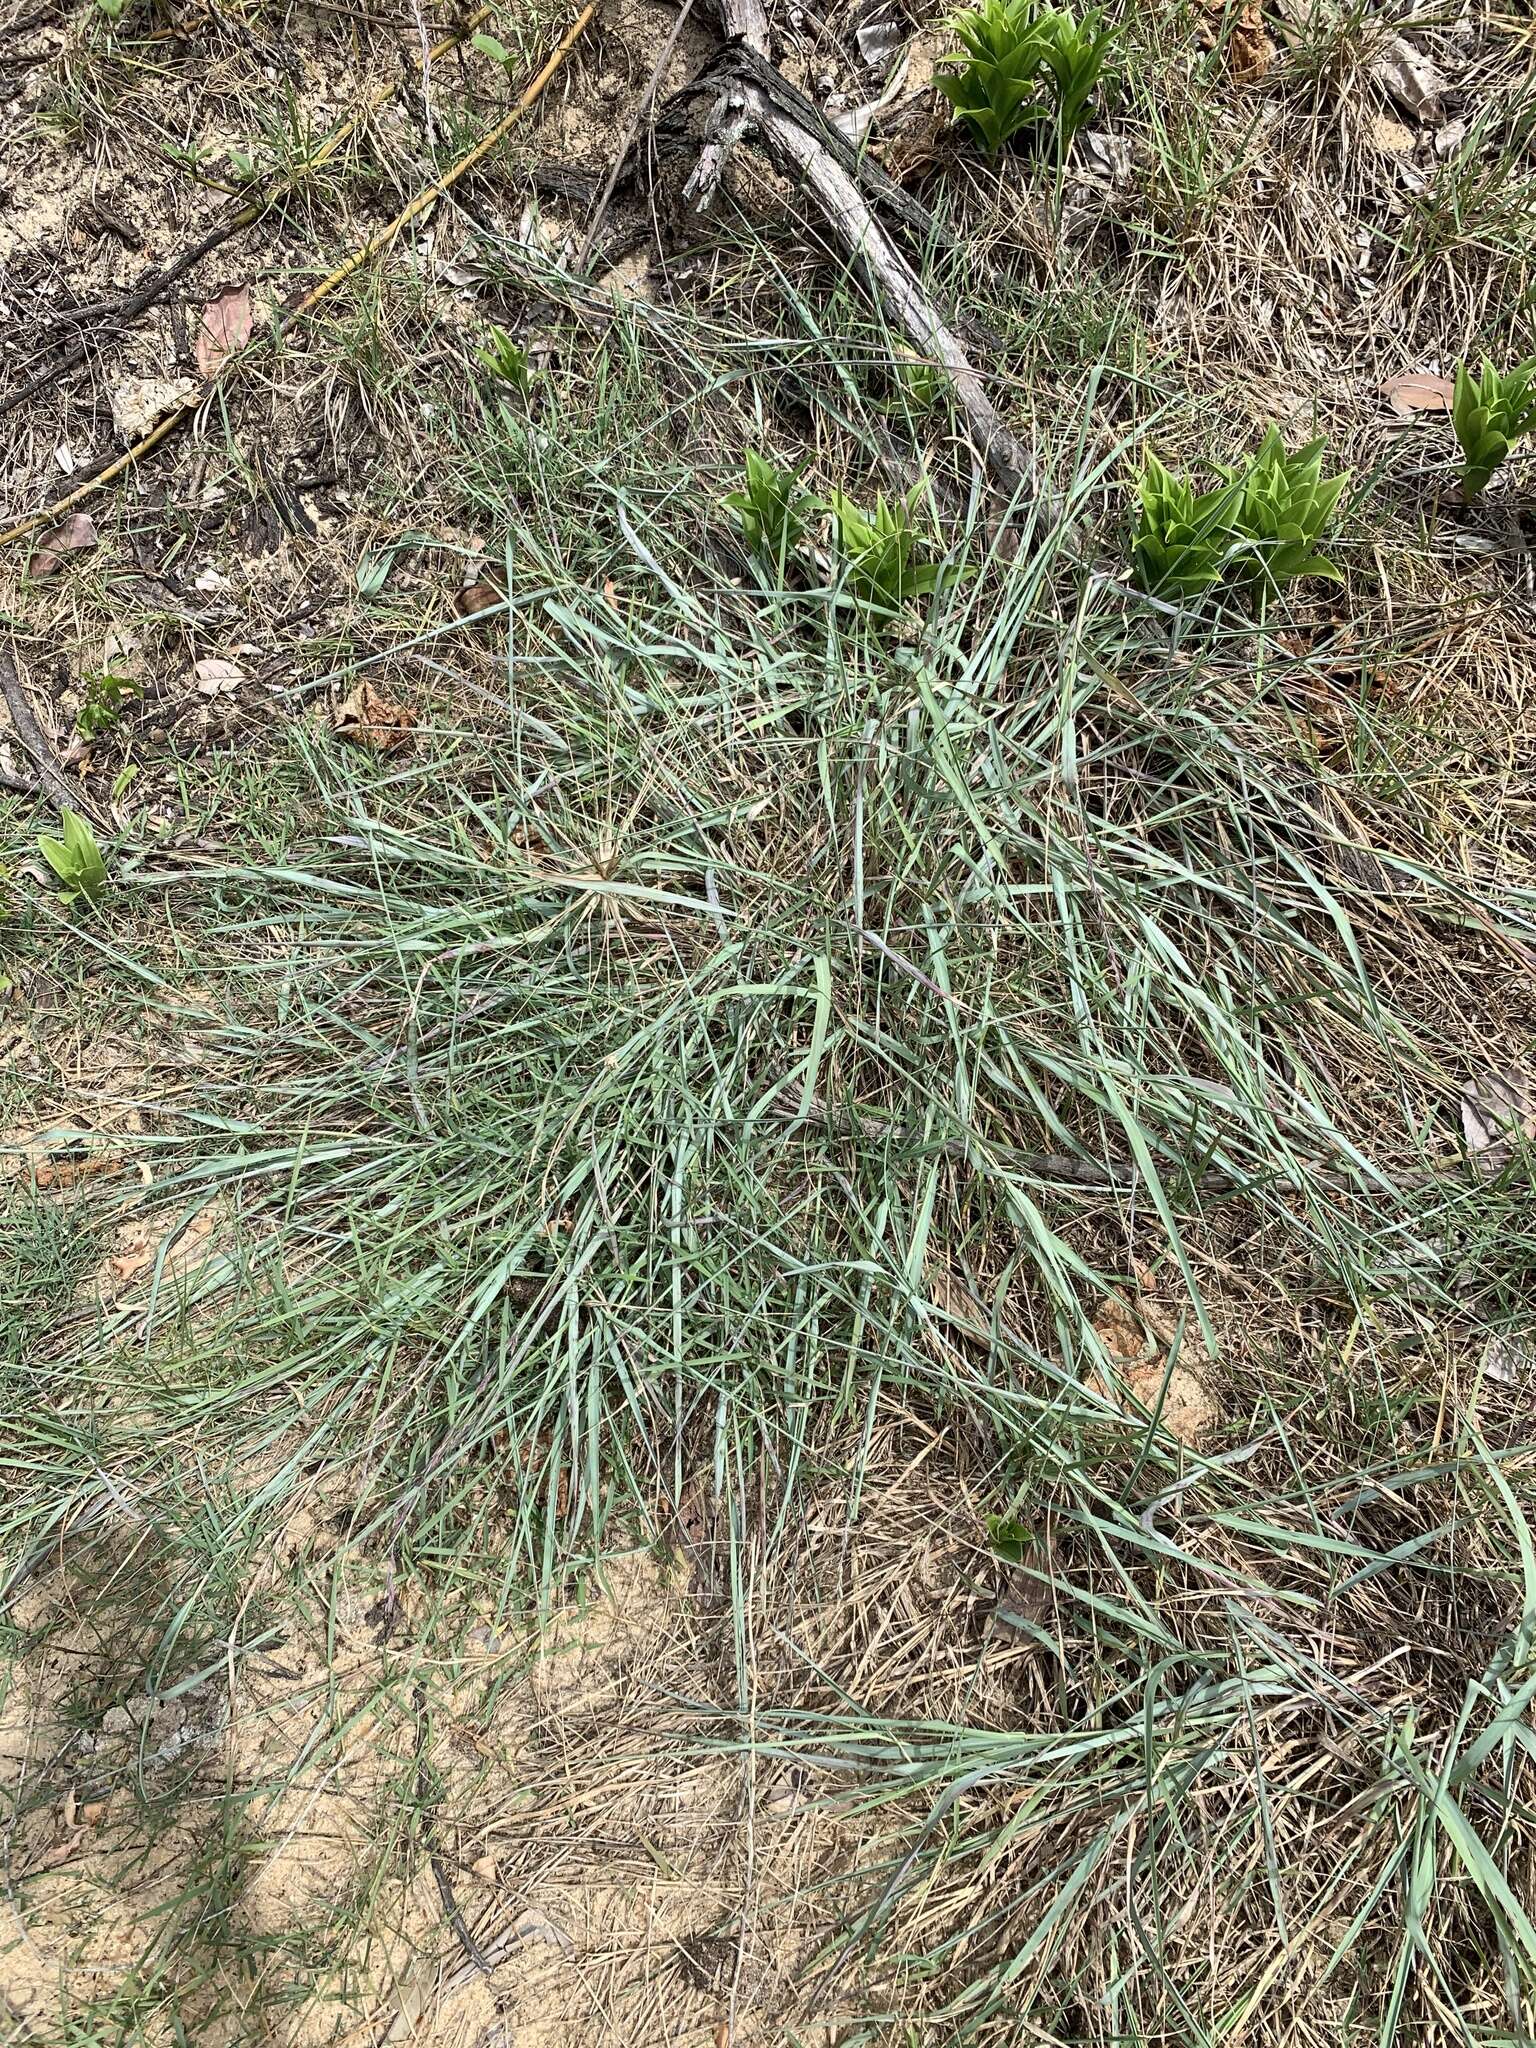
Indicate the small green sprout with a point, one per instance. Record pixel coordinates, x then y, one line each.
1009 1538
769 509
1285 506
993 94
1490 413
926 384
75 859
488 46
505 360
888 563
1075 54
1259 528
1183 544
105 698
1016 59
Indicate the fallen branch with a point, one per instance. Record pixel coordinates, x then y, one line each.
480 1961
742 64
755 96
621 156
49 514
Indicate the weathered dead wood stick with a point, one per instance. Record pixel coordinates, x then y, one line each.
894 279
796 147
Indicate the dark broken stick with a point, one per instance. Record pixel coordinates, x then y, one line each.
34 741
621 159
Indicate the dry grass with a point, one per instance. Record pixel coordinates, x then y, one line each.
791 1329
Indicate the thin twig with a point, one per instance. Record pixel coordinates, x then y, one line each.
49 514
123 305
428 1832
428 126
28 21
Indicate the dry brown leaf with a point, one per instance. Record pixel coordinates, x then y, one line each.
217 677
1509 1363
475 598
140 403
52 1857
1250 48
225 326
139 1242
67 538
66 1173
1416 391
120 652
628 279
1120 1331
1188 1411
534 1925
955 1301
370 719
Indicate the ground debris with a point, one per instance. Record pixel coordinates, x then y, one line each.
369 718
1409 78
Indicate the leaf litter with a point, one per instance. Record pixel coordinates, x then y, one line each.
367 717
1417 391
70 537
224 328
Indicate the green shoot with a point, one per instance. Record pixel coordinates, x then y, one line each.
887 563
1490 413
1075 54
1183 543
504 359
75 859
926 385
1009 1538
105 698
769 509
1284 508
1009 48
1260 526
994 94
